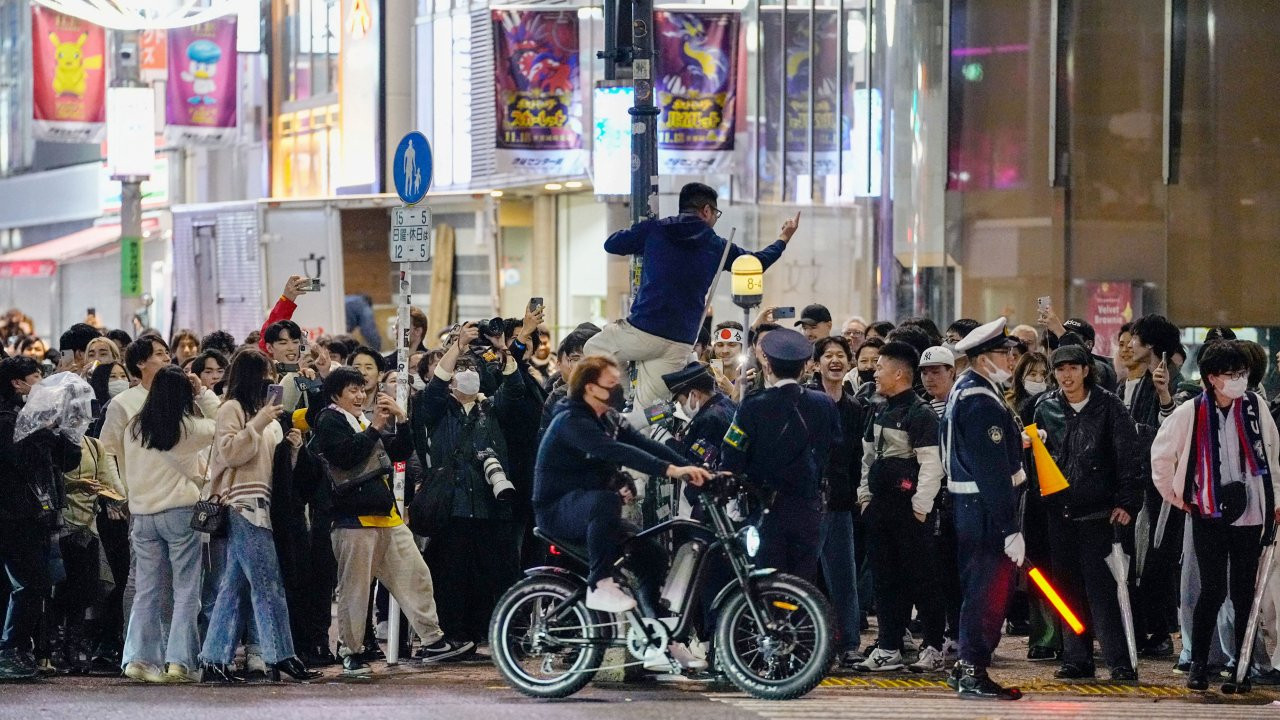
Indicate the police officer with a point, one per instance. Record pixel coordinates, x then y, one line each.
781 437
710 412
982 451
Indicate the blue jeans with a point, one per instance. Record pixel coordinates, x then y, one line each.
835 543
215 567
166 555
252 567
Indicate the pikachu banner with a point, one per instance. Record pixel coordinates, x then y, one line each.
69 77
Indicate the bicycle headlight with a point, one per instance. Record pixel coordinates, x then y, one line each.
751 540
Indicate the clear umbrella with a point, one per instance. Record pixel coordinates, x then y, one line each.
1244 655
1118 562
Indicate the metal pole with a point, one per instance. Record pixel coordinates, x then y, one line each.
128 74
398 477
644 136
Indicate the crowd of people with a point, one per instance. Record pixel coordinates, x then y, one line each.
228 494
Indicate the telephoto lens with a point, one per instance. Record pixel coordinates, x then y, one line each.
496 476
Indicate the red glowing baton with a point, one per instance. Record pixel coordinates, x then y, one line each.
1056 600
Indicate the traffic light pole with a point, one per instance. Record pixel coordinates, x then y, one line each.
644 128
127 73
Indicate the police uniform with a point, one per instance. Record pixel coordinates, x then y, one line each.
781 437
982 451
701 439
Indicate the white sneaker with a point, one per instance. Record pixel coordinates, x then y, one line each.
930 661
656 660
881 661
908 642
143 672
254 664
608 597
950 649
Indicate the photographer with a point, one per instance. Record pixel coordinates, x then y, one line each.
568 355
31 500
454 424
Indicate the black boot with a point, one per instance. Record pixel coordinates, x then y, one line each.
294 669
975 684
1198 677
953 677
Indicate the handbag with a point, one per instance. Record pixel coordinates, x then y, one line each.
209 516
376 465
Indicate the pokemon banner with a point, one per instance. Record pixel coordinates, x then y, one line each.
69 78
795 63
538 94
201 103
696 88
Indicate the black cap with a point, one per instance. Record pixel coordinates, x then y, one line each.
786 345
1071 355
1081 328
680 379
814 315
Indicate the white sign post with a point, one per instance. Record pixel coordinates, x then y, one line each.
410 243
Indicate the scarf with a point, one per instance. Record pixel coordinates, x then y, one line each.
1203 492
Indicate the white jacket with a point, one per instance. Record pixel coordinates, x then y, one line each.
1171 451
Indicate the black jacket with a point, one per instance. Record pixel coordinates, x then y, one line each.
581 451
32 466
844 464
343 447
1096 450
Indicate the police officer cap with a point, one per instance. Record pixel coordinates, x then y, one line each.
680 379
786 345
1071 355
985 338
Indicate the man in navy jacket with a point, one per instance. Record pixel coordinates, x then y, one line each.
680 257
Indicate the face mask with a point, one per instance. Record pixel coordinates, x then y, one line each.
417 383
1234 388
997 375
115 387
468 382
1034 387
617 400
866 376
690 409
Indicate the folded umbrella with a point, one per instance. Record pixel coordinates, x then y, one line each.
1245 652
1118 562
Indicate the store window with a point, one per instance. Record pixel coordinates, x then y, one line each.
15 86
310 48
307 133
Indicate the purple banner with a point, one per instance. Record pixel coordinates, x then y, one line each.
696 81
539 96
200 105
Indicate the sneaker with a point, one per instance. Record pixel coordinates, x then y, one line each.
930 660
1161 648
255 668
14 666
178 673
950 649
1073 671
881 661
445 650
355 666
608 597
1124 674
1182 668
660 661
380 631
1041 654
850 658
1269 678
908 642
143 672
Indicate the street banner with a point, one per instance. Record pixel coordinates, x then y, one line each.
1110 307
69 82
697 78
200 107
792 91
538 92
153 47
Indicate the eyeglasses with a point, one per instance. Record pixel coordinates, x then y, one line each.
716 210
1238 375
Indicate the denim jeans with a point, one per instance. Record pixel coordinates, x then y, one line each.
166 555
252 568
835 543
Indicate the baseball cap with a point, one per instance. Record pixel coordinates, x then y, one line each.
1080 327
813 315
937 355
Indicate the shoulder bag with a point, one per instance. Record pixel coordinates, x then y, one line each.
376 466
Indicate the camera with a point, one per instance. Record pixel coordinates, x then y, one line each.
496 476
495 327
310 285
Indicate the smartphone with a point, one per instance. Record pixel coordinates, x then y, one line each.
535 304
275 394
784 313
1044 304
110 494
1164 359
91 311
310 285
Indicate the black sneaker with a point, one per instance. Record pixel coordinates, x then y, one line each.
1072 671
16 666
1041 654
445 650
1162 648
1124 674
355 666
1182 668
1198 677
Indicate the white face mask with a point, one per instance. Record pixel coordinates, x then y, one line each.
1234 388
468 382
999 376
115 387
690 409
417 383
1035 387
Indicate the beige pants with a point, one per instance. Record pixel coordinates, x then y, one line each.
653 356
390 556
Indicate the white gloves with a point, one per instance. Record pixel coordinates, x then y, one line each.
1015 548
1026 439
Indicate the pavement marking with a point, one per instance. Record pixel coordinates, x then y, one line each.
1036 686
825 706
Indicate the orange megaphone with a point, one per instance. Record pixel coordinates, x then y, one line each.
1051 478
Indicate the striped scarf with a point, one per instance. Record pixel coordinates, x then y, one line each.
1203 493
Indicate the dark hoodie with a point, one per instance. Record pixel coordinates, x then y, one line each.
680 256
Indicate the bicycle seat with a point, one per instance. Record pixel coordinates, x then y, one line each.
574 550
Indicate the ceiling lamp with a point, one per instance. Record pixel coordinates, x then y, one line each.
144 14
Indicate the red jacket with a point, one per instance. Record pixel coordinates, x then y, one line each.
283 310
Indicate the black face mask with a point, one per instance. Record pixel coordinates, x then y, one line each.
866 376
616 399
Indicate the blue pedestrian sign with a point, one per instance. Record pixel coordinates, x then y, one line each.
412 168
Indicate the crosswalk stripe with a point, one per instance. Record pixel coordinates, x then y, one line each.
823 705
1089 689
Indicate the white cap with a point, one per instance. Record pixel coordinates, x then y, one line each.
986 338
937 355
